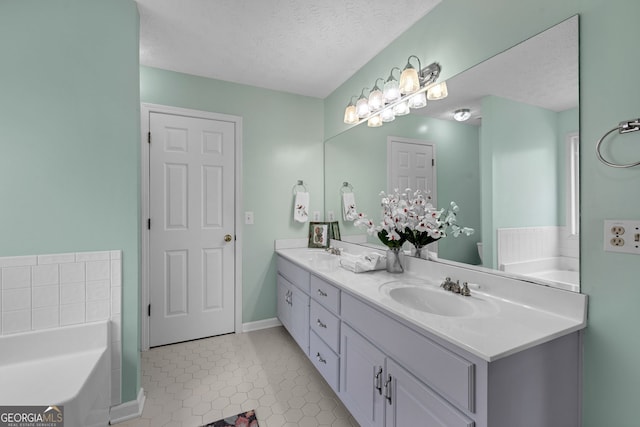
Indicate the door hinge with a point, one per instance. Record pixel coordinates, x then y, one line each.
149 137
433 162
149 310
148 223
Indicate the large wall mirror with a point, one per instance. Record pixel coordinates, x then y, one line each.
512 167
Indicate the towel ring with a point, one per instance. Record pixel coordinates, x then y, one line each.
623 127
295 188
346 187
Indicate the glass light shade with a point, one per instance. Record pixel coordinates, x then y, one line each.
401 109
391 90
376 100
362 107
350 115
438 91
462 114
375 121
418 100
409 81
387 115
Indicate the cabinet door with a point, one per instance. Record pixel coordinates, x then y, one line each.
411 403
361 378
283 307
299 320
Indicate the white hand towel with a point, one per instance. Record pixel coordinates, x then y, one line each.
301 207
349 210
361 263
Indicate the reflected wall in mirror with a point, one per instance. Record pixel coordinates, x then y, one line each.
511 167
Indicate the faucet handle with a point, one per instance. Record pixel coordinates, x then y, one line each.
446 285
465 290
455 287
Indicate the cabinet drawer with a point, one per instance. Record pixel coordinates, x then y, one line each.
440 368
325 324
325 360
296 275
326 294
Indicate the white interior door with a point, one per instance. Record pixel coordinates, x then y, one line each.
192 234
411 164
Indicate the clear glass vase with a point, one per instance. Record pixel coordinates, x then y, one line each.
395 260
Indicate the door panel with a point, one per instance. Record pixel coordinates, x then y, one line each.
411 165
191 205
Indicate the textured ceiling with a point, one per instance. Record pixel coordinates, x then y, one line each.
541 71
307 47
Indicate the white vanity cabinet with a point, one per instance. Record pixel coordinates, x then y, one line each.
293 301
381 393
390 372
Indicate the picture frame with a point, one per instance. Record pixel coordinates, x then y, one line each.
319 235
334 230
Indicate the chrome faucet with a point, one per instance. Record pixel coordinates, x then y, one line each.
334 251
451 286
447 284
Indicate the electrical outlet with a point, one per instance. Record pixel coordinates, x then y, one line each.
617 230
331 216
617 241
615 236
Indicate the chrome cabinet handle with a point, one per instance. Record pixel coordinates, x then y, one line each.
322 325
320 359
377 380
322 293
387 389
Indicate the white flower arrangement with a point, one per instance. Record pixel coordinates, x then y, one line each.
409 216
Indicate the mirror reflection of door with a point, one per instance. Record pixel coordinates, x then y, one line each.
411 163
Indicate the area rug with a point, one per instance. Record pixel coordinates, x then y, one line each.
246 419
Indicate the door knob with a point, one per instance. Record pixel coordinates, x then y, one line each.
227 237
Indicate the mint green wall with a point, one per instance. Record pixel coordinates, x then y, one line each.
359 156
69 138
460 34
282 142
518 143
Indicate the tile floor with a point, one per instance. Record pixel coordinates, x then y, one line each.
193 383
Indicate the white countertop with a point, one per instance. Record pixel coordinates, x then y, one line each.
524 314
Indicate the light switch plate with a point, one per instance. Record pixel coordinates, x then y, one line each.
622 236
248 218
316 215
331 216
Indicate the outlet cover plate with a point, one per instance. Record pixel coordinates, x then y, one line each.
622 236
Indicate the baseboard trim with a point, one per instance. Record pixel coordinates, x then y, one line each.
128 410
261 324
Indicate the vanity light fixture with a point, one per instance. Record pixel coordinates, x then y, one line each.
376 97
396 98
409 79
461 115
350 114
438 91
362 105
374 121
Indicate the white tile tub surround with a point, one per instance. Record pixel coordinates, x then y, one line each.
529 243
51 291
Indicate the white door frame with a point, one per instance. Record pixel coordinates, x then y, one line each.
145 110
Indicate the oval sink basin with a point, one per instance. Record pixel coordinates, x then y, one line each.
431 301
428 298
